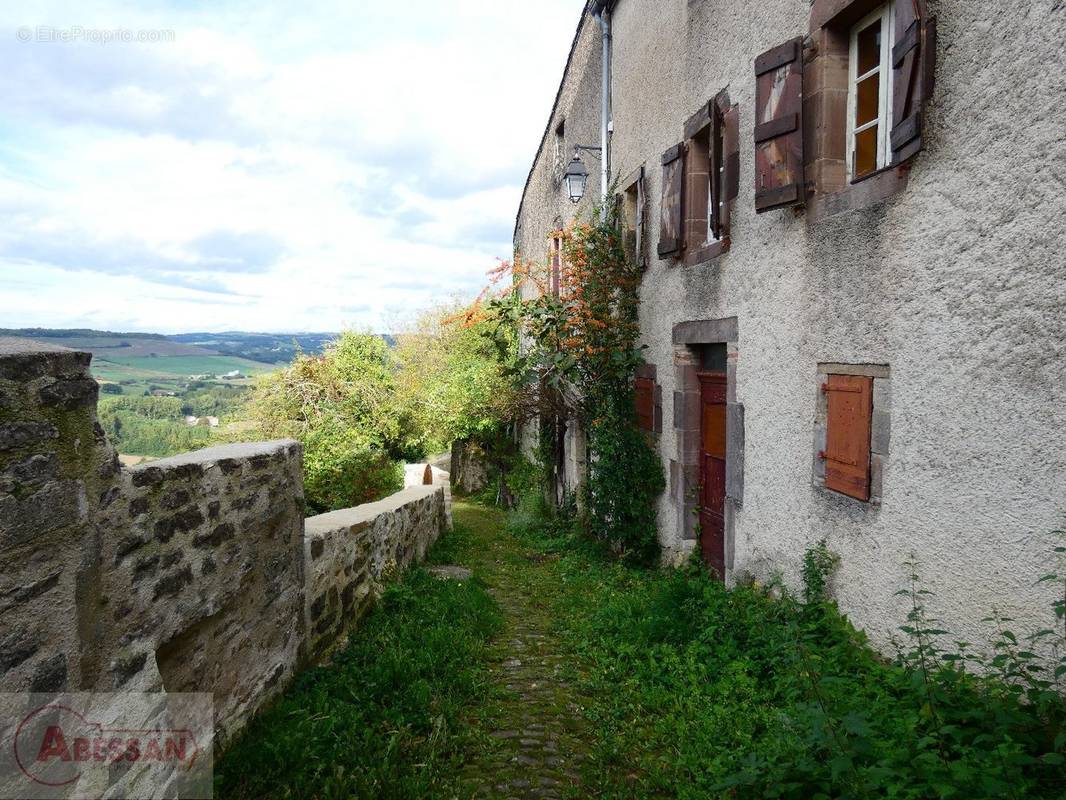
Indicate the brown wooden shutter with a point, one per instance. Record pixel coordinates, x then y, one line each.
714 174
730 160
639 244
912 76
849 410
644 400
779 127
670 224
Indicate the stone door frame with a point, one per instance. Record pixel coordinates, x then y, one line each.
688 337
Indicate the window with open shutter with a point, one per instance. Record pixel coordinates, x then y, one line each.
913 51
779 180
849 411
670 223
645 403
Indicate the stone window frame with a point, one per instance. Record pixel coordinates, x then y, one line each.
633 197
831 190
880 429
688 337
699 247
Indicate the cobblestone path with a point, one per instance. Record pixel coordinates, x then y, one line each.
537 728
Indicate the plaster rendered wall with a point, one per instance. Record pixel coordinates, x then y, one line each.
185 574
957 283
546 207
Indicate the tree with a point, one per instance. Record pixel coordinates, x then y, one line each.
341 405
453 384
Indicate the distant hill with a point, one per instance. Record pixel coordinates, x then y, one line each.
270 348
266 348
71 333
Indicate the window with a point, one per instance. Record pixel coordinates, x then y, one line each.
711 156
648 399
644 398
870 93
632 201
559 153
709 141
849 409
557 265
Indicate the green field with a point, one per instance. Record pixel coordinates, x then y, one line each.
115 368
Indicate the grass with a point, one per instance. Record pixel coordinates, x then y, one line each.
696 691
687 690
390 717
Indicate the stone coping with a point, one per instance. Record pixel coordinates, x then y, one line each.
219 453
347 517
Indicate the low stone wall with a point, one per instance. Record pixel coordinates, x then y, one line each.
192 573
350 553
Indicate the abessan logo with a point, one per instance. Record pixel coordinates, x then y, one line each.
72 741
136 745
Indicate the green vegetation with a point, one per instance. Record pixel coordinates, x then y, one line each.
699 691
686 690
453 381
342 406
580 362
389 717
155 426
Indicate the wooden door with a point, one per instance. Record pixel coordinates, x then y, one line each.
712 470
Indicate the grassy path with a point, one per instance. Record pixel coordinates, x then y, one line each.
556 673
537 730
450 689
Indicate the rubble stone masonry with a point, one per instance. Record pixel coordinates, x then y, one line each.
191 573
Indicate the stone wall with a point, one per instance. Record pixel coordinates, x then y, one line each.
351 552
192 573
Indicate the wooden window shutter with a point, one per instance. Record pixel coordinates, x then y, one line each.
671 239
639 245
913 53
644 399
779 178
714 175
849 410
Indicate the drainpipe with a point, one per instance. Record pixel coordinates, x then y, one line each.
602 13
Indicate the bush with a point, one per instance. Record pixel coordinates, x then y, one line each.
342 407
701 691
625 479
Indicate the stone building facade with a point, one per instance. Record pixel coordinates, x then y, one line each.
858 289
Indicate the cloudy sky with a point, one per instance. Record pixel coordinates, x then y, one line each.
286 166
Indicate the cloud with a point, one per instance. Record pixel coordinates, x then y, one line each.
324 166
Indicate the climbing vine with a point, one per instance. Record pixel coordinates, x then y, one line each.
578 360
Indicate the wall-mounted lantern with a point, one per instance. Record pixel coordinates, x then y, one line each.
576 176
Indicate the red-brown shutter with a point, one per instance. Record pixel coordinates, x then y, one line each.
779 127
849 410
714 174
639 244
644 399
912 76
670 219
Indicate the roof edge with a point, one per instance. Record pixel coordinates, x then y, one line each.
586 12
